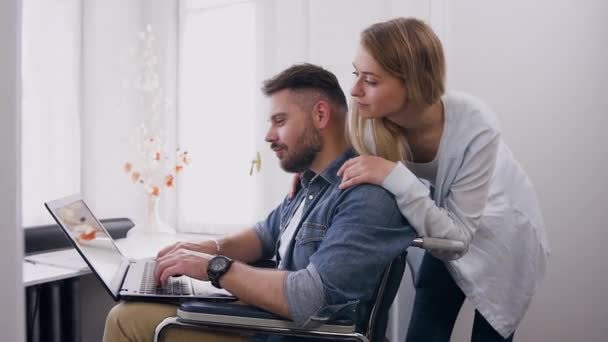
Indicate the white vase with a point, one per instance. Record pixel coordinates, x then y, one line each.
152 223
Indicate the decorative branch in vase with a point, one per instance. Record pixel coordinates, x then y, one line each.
155 171
151 167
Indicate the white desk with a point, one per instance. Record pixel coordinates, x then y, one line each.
59 280
58 265
35 274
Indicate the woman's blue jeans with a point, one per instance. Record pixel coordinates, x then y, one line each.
436 306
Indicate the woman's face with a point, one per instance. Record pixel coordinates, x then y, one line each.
377 94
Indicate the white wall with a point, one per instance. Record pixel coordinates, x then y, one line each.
542 65
11 244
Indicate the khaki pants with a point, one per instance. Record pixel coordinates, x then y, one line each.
136 321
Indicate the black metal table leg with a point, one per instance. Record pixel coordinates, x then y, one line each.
33 315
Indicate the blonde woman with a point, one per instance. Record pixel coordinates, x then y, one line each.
442 156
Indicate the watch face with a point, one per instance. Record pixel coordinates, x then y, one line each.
218 264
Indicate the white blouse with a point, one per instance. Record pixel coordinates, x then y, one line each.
484 199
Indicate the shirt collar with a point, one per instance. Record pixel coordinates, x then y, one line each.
330 173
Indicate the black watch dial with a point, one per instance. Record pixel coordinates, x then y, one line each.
216 269
218 264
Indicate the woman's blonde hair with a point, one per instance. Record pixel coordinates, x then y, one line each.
409 50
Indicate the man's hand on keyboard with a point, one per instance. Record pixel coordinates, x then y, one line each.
181 262
201 247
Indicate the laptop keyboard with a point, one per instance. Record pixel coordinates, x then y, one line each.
176 286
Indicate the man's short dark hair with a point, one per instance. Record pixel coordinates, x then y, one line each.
307 77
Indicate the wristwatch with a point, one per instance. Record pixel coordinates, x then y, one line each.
217 267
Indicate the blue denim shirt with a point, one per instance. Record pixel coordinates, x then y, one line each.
341 246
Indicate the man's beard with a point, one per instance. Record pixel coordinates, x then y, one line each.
301 156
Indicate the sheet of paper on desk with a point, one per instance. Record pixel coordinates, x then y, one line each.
68 258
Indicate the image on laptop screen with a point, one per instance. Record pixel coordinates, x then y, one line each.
91 237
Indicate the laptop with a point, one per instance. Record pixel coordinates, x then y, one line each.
123 278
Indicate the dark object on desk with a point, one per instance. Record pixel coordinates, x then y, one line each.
50 237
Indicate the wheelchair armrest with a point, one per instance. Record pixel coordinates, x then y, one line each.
438 244
234 314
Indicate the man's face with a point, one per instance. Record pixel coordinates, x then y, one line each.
292 134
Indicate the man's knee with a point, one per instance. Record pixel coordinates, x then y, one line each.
136 319
114 316
114 313
121 311
113 330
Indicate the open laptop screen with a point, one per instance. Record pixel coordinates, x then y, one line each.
90 236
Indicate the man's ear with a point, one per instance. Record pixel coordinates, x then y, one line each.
321 114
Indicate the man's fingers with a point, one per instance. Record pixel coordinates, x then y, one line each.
167 250
176 247
162 252
173 270
162 264
157 271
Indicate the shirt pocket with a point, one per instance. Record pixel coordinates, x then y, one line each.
310 232
307 241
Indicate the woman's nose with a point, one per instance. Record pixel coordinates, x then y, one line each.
356 90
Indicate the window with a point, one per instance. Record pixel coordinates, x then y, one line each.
217 113
51 54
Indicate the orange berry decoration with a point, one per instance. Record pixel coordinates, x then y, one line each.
169 181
